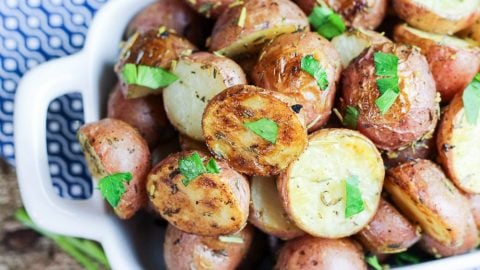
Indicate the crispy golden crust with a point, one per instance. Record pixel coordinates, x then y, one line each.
438 16
422 192
183 251
211 204
388 232
173 14
310 253
472 32
152 49
414 113
458 147
145 114
312 188
210 8
279 69
366 14
266 210
453 62
112 146
228 138
264 20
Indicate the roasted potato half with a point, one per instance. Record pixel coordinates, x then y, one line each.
266 210
184 251
153 49
210 8
313 189
366 14
172 14
246 27
145 114
255 130
201 76
388 232
279 68
413 114
458 147
453 61
352 43
112 146
211 204
422 192
438 16
311 253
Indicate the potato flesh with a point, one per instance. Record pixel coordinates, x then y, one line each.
349 46
443 39
317 184
450 9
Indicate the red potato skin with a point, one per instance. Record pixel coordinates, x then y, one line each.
356 13
414 112
120 148
311 253
423 149
145 114
474 201
173 14
217 7
279 69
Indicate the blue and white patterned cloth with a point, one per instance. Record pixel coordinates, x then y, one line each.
32 32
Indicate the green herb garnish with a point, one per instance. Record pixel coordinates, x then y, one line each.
373 262
353 202
151 77
406 257
205 8
265 128
326 22
386 68
312 67
471 100
112 186
351 117
192 166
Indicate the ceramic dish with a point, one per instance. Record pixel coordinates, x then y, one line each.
136 244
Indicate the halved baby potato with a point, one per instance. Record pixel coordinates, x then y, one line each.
353 42
453 61
311 253
388 232
458 147
200 77
211 204
155 48
184 251
246 27
266 210
112 146
438 16
313 189
254 129
279 69
422 192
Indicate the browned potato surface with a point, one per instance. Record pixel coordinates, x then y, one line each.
438 16
388 232
173 14
413 114
152 49
453 61
266 210
367 14
279 69
458 147
210 205
472 32
227 136
422 149
112 146
244 28
313 188
184 251
145 114
421 191
210 8
186 144
310 253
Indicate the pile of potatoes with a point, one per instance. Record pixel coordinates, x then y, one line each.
415 166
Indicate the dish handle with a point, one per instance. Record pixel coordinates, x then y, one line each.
80 218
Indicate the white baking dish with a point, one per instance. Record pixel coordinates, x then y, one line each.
129 245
